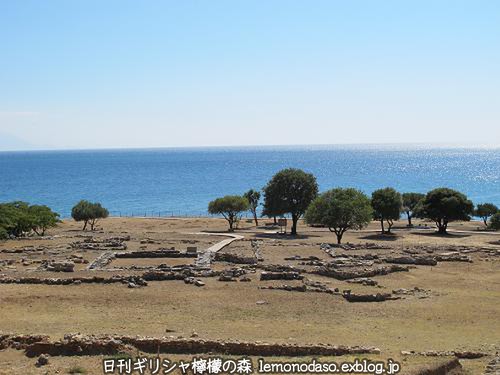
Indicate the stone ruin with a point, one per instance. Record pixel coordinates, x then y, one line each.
79 345
91 243
346 274
160 253
234 258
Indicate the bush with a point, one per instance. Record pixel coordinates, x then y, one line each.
340 210
89 213
230 207
495 221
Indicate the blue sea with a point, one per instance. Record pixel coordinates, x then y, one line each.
176 182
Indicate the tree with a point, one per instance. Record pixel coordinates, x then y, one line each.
445 205
89 213
387 205
230 207
253 197
485 211
495 221
19 219
290 191
42 218
340 210
410 203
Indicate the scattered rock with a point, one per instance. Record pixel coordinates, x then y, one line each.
42 360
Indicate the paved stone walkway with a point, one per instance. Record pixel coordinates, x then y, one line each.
205 256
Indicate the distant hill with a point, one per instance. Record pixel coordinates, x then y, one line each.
12 143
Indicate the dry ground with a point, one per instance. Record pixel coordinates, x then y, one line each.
461 314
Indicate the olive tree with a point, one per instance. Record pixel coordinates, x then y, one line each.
230 207
387 205
444 205
410 203
485 211
340 210
253 197
290 191
89 213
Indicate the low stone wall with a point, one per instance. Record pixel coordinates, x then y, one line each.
421 261
346 274
234 258
165 253
451 366
281 276
75 344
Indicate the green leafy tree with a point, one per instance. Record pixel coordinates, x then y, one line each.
290 191
410 204
387 205
89 213
340 210
495 221
445 205
485 211
230 207
42 218
19 219
253 198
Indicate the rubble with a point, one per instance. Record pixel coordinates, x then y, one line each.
58 266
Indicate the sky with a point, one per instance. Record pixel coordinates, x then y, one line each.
116 74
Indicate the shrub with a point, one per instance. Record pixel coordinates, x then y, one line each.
495 221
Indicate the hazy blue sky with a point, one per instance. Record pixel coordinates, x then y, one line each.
93 74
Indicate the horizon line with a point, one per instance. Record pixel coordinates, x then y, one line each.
266 146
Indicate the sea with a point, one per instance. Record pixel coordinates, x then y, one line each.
181 181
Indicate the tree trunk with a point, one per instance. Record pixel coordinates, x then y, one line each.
275 221
339 238
409 219
485 221
85 224
382 225
390 223
255 218
442 226
293 231
231 220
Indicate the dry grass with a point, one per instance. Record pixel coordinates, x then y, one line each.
463 312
